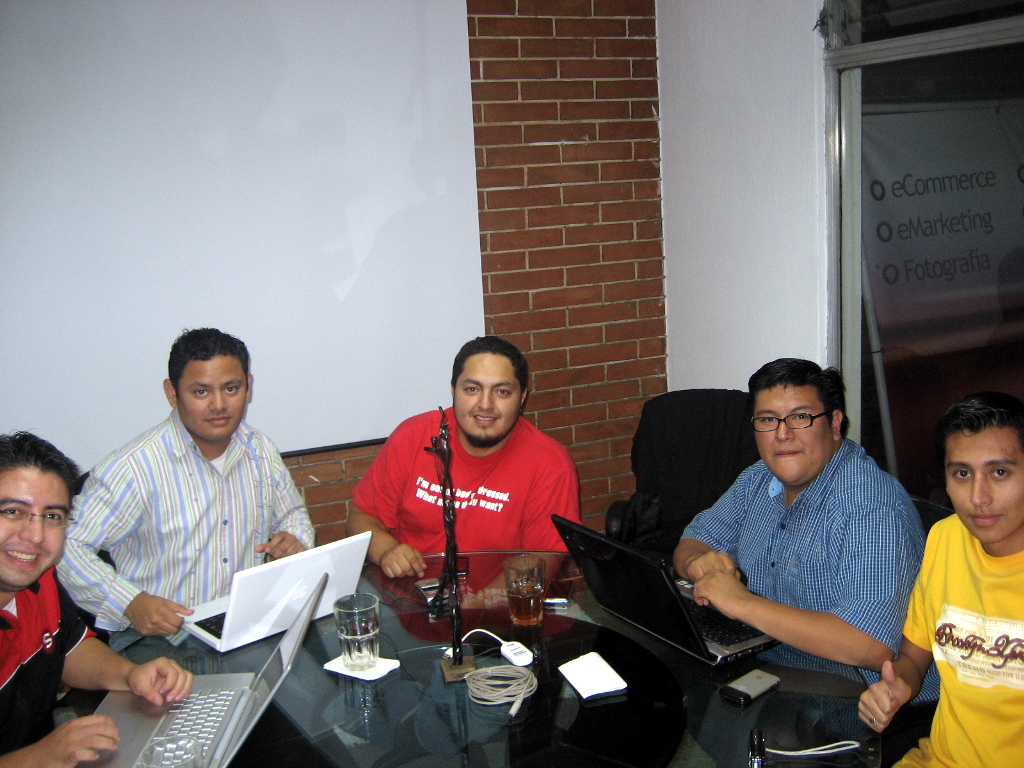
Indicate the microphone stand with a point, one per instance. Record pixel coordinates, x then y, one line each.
447 594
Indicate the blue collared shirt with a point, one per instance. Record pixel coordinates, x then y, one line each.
850 544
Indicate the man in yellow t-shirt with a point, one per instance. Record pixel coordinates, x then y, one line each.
966 610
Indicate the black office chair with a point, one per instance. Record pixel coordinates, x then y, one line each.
689 447
930 512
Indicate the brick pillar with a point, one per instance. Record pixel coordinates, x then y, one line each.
565 100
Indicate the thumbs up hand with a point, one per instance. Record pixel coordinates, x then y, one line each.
882 700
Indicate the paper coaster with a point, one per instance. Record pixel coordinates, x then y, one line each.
381 668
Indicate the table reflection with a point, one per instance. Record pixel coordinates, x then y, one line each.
670 715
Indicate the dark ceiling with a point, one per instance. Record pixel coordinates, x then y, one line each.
885 19
979 75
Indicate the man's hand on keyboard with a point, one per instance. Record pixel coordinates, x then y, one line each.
703 564
724 590
281 545
159 681
152 615
75 742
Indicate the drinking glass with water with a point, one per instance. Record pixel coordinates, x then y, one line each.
358 620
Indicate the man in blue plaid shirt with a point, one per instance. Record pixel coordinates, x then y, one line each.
814 544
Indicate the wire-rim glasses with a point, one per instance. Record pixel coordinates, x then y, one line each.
55 519
793 421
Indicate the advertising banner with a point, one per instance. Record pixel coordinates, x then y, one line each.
943 237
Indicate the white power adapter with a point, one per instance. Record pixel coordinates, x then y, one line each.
517 653
514 652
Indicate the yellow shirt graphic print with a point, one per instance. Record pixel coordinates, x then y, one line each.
984 651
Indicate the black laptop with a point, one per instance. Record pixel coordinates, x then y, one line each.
643 590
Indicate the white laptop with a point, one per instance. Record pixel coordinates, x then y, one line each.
220 711
265 600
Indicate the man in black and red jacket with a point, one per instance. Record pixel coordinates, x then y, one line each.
43 642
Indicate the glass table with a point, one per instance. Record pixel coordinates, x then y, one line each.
670 714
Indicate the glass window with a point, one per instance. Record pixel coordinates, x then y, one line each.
932 240
871 20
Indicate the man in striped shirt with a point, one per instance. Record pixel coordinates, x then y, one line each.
185 505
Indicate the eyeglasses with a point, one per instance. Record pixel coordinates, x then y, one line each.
52 519
793 421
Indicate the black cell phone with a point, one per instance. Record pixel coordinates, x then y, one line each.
558 593
427 588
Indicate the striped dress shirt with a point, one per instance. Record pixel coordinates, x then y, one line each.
174 525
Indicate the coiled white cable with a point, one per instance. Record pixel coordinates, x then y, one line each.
506 684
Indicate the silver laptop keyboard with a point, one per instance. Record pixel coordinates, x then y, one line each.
201 714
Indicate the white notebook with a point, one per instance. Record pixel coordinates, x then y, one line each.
265 600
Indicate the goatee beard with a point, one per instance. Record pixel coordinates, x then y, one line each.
483 443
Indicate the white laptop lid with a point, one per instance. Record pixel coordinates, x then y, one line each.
269 679
265 600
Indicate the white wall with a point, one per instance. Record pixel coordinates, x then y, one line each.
300 174
743 146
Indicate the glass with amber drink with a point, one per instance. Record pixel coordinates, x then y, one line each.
524 585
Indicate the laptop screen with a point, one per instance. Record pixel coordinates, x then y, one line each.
631 585
283 657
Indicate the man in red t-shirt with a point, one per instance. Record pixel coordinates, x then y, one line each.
508 477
